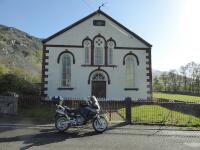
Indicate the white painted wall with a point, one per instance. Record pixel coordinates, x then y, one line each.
80 74
75 35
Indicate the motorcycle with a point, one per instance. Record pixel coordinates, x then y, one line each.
88 111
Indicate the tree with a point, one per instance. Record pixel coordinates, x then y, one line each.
157 86
164 80
172 80
183 71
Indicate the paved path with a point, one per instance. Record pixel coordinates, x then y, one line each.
129 137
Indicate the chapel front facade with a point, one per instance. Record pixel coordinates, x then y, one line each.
97 56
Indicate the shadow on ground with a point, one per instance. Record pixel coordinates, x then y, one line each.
49 136
46 136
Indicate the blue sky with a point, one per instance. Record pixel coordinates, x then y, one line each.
171 26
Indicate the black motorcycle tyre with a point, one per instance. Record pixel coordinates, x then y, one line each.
93 124
58 118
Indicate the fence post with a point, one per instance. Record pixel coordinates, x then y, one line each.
128 110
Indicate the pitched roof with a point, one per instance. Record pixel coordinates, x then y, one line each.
91 15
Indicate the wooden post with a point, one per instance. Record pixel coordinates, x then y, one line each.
128 110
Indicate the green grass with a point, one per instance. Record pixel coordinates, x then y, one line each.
178 97
155 114
161 115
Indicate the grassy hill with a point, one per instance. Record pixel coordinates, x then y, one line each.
20 53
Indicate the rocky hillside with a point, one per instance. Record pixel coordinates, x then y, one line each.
20 50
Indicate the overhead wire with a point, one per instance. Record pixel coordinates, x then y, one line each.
88 5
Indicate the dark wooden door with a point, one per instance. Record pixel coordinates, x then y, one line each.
99 89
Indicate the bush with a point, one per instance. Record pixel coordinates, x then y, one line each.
11 83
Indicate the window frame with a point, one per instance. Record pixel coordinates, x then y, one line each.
130 82
66 77
110 52
101 50
87 47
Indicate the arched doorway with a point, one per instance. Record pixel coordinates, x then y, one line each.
99 85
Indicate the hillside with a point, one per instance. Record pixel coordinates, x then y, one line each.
19 50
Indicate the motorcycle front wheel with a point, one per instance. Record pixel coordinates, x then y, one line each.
60 124
100 124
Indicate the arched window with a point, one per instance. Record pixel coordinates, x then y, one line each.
98 77
110 52
66 70
87 53
99 45
130 71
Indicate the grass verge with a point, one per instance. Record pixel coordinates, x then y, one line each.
160 115
179 97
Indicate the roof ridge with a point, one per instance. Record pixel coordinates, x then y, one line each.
91 15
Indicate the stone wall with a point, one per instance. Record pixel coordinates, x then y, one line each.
8 105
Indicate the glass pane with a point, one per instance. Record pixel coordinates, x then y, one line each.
87 55
66 70
130 72
98 55
110 51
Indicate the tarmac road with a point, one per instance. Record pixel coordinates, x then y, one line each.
128 137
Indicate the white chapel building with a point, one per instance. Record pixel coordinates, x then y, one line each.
97 56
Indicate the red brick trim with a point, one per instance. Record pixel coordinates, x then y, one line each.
147 57
111 39
148 80
106 55
87 38
130 53
131 48
67 52
46 63
148 74
149 92
44 70
149 70
45 95
81 46
147 62
98 69
99 66
67 46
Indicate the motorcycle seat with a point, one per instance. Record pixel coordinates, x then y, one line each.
72 110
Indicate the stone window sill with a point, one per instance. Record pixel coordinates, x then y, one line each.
65 88
131 89
99 65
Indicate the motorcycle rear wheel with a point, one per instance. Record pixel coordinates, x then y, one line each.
60 124
100 124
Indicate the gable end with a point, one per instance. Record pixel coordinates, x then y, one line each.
91 15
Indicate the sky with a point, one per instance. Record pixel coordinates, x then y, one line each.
171 26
